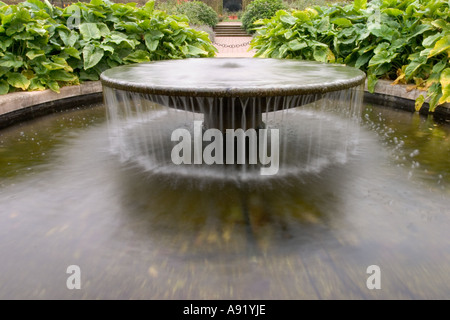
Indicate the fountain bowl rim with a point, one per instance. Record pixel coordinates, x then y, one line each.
233 92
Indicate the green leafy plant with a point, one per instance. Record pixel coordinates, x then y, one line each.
42 46
303 4
198 13
407 41
260 9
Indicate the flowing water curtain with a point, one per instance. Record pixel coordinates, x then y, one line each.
324 131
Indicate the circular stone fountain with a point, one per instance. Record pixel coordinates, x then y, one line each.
229 94
232 93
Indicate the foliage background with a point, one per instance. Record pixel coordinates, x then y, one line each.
260 9
43 46
407 41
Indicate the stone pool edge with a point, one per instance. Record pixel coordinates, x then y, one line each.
19 106
399 96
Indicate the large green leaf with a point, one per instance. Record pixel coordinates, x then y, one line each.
441 46
57 63
417 30
119 38
129 27
363 59
92 55
35 4
383 32
149 7
103 29
151 42
71 51
434 99
17 80
61 75
360 4
297 45
154 34
21 36
90 31
382 47
138 56
342 22
32 54
371 82
438 67
5 43
69 38
320 53
54 86
36 84
442 24
9 60
302 16
393 12
15 27
36 29
195 51
419 102
412 68
179 39
445 85
23 16
287 18
323 25
430 40
4 87
97 3
3 71
107 48
89 75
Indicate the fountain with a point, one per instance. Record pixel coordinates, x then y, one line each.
225 97
97 188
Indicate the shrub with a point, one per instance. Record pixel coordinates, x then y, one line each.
209 30
42 46
169 6
198 13
403 40
260 9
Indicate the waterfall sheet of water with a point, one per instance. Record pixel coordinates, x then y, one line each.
322 132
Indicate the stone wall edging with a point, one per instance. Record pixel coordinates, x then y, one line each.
392 95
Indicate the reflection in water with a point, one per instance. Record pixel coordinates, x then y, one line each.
223 218
312 235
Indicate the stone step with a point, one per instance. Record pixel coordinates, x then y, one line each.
231 35
224 30
220 28
230 31
240 32
228 27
